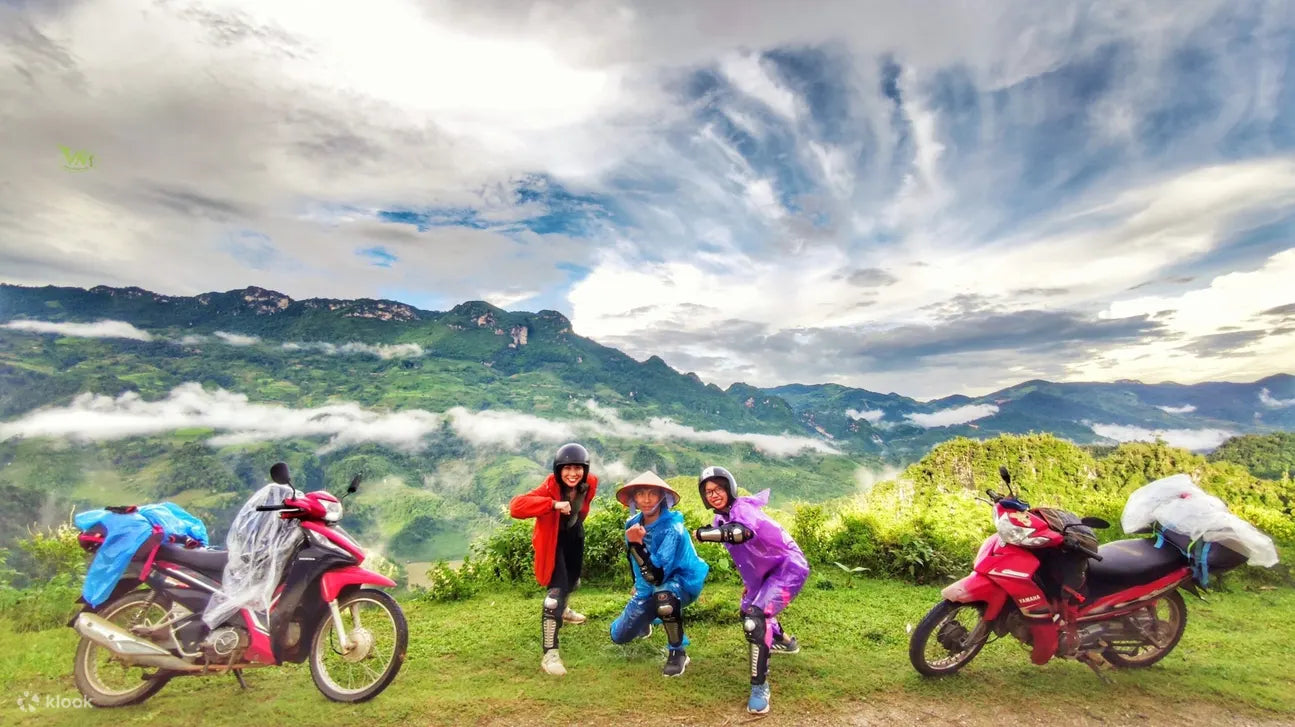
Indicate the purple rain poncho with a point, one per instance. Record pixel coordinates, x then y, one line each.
772 566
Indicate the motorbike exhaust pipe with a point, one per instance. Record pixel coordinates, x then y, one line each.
131 648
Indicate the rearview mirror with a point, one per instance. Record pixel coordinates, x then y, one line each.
279 473
1007 476
355 484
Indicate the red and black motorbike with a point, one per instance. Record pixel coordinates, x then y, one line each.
151 628
1043 580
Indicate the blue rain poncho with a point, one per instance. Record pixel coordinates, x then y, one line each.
124 535
670 547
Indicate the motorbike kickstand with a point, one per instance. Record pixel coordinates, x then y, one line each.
238 674
1094 662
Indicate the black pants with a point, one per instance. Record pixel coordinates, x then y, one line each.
569 558
568 561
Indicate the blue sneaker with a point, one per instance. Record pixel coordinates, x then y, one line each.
759 701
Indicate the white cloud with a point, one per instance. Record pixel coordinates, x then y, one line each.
872 416
237 420
381 350
237 339
1230 299
509 298
1196 440
1184 409
950 417
867 477
448 105
659 429
98 329
506 428
614 471
745 72
1268 400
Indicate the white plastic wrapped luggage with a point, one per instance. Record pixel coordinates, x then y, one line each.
1177 504
259 545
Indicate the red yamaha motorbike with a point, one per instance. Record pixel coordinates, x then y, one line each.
151 630
1042 579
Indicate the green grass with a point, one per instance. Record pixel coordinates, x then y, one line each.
478 661
108 487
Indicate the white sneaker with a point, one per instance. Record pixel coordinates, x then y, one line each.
551 663
572 617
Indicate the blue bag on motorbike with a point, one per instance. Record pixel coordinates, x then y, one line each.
126 534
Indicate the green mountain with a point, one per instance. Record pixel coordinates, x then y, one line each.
450 413
478 355
901 428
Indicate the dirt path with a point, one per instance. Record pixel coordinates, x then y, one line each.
909 711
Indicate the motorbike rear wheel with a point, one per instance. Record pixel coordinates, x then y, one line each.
379 639
943 642
1169 616
100 676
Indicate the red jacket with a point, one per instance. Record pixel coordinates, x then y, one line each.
538 503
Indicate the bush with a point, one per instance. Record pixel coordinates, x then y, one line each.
448 584
56 566
926 525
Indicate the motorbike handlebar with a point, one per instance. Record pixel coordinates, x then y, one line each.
1090 553
270 508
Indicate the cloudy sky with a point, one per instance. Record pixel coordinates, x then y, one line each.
928 198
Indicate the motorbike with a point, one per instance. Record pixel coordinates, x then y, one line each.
1042 579
151 628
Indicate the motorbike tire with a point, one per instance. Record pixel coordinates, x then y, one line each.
319 643
1175 601
927 629
85 670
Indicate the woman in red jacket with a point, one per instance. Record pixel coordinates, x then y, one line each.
559 507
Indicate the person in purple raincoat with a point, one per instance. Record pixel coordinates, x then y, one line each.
772 566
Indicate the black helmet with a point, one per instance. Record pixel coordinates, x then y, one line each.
715 472
571 454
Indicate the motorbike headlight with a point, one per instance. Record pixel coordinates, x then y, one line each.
1013 534
332 511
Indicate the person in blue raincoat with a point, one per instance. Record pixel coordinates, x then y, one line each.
668 574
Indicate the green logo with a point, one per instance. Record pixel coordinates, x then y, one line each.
77 161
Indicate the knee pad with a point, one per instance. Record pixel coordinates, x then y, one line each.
671 613
756 626
667 606
553 602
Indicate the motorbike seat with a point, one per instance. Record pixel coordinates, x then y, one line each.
204 560
1128 563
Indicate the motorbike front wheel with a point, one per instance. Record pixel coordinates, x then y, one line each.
946 640
375 628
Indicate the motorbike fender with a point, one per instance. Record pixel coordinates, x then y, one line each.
977 587
332 582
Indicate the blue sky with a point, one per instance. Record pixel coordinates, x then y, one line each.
928 198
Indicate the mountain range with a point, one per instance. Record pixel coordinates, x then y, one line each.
535 363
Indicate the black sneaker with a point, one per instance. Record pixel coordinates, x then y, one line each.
675 663
787 645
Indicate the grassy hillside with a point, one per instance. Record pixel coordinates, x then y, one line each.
1271 456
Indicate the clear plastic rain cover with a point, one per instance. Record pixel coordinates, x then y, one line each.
259 545
1179 505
